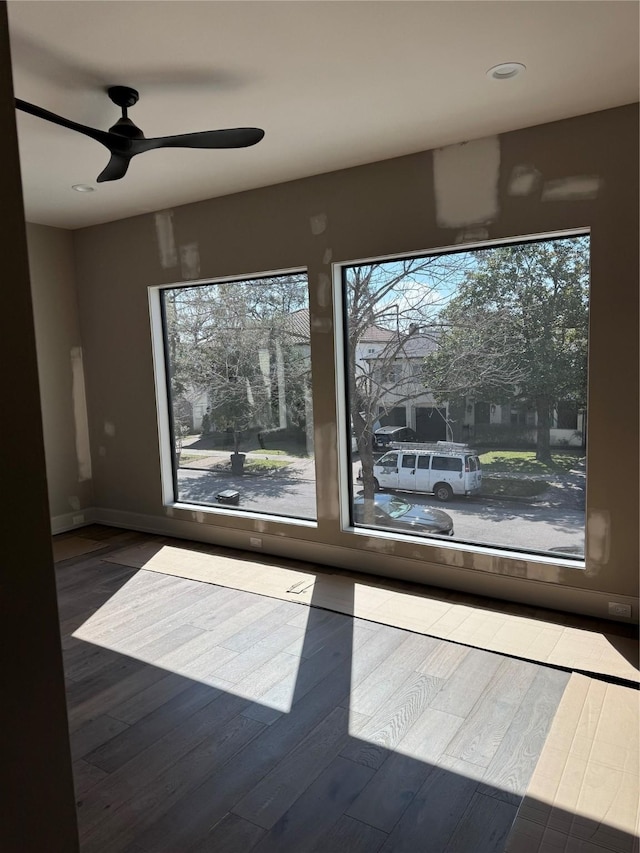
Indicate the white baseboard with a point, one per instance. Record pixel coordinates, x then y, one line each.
72 520
534 593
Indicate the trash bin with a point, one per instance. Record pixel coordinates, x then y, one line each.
237 463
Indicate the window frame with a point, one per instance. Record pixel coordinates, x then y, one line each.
442 554
166 433
512 558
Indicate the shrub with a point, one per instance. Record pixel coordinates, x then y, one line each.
281 435
504 436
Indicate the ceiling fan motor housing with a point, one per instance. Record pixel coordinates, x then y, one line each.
125 127
123 96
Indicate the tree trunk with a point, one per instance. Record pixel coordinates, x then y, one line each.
543 432
366 460
365 449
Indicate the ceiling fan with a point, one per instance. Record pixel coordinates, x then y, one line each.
124 140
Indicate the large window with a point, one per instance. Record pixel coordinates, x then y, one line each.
497 338
239 383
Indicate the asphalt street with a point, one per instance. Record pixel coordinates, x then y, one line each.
537 526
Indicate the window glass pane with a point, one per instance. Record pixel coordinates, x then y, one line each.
483 353
408 461
389 460
397 507
238 365
446 463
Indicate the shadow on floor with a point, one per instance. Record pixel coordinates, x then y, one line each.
169 763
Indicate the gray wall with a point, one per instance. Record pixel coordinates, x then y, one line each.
582 172
64 414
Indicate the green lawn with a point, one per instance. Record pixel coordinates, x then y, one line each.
525 462
260 462
264 465
508 487
186 458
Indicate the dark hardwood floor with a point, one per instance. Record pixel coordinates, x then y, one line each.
203 718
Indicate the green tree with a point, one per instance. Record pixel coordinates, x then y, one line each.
237 389
230 343
517 330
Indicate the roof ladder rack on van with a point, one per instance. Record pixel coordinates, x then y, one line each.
434 446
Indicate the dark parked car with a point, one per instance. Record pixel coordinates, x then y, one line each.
397 513
383 436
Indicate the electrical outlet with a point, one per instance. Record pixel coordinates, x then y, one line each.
255 541
78 519
617 609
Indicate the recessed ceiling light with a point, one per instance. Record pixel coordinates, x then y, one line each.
82 188
506 70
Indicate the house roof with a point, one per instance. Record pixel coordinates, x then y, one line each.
297 323
376 334
416 346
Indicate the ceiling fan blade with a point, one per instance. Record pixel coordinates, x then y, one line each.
116 168
237 137
124 140
101 136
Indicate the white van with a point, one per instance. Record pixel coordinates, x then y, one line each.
445 468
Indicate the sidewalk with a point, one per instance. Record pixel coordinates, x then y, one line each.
566 491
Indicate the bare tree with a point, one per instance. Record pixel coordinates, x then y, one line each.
401 300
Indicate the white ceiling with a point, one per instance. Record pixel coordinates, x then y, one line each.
333 84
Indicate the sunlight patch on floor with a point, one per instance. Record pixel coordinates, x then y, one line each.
503 632
126 624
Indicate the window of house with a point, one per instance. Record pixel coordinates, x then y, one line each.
497 328
567 415
518 416
481 412
389 375
238 369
